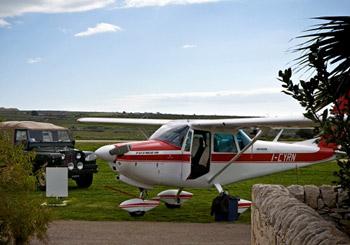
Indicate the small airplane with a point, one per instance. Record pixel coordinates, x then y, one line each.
203 154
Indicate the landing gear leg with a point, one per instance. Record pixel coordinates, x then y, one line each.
178 201
219 188
143 193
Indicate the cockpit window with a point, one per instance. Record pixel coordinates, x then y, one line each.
174 135
242 139
224 142
49 136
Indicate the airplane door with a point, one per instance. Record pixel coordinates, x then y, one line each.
186 156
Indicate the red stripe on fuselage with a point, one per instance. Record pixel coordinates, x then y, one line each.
153 145
156 158
276 157
322 154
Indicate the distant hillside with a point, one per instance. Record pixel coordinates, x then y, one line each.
95 131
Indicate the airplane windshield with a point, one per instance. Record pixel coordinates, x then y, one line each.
174 135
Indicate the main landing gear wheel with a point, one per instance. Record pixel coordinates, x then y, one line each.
137 213
172 206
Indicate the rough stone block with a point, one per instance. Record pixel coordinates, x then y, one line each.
279 218
320 203
342 196
329 195
297 191
312 194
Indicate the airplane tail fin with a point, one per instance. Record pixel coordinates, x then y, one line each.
314 142
322 143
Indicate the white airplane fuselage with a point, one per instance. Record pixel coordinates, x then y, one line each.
158 162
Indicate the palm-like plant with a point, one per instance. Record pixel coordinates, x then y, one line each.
332 39
328 49
327 53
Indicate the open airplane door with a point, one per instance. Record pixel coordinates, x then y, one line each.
186 156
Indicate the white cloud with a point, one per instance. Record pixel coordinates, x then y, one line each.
34 60
161 3
189 46
10 8
99 28
255 102
4 23
212 94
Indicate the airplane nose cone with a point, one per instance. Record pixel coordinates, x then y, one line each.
104 153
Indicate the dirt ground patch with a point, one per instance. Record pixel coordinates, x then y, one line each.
96 232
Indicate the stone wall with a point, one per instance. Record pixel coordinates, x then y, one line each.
327 200
318 198
280 218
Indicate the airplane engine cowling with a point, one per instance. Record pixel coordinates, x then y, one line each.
172 197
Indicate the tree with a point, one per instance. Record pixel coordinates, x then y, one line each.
325 96
21 213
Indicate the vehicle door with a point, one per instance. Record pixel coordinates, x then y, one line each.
186 155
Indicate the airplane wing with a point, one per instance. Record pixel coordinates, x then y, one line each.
218 124
129 121
233 124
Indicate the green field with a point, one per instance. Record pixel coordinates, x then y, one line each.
97 131
100 203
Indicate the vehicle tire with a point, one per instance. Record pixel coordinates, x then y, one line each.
137 213
84 181
41 178
172 206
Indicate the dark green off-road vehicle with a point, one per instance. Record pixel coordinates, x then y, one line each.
54 147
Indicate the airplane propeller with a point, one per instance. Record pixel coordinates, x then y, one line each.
104 153
109 152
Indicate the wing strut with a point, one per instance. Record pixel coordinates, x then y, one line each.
236 157
278 135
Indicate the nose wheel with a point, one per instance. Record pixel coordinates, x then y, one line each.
172 206
137 207
143 195
137 213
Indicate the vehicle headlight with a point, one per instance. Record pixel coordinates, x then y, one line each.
80 165
91 157
78 156
70 166
63 156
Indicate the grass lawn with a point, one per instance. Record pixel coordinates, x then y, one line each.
100 203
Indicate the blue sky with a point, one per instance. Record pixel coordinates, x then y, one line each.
170 56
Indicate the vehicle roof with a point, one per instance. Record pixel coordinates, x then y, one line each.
29 125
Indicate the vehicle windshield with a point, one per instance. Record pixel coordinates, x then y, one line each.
171 134
49 136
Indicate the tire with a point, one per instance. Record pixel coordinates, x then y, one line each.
172 206
137 213
84 181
